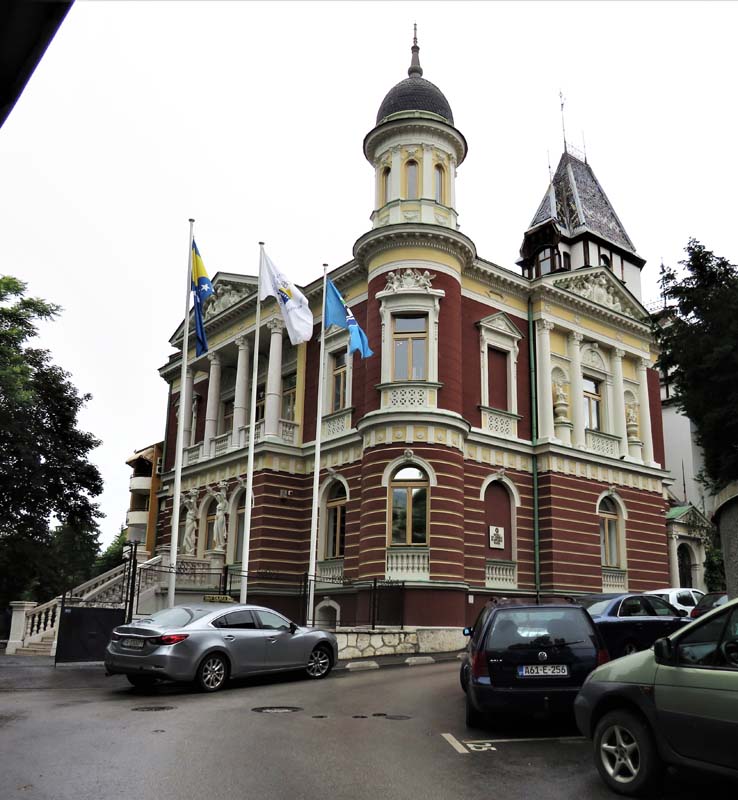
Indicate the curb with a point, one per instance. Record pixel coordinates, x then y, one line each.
393 661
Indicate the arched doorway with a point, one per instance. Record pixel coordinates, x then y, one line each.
684 560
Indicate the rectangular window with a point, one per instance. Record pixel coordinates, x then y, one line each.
399 516
410 348
609 542
335 531
289 396
592 404
497 378
227 416
338 393
260 400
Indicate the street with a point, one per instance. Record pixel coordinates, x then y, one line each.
389 733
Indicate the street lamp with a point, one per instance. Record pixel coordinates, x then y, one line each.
134 536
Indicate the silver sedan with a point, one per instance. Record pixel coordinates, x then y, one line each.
211 642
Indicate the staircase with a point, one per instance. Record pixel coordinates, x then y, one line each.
41 622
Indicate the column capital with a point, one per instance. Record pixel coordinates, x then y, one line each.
618 353
544 325
242 342
644 363
214 358
275 325
576 337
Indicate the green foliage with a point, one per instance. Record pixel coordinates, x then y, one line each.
698 336
714 569
44 466
113 555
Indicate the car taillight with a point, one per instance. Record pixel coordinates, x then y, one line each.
693 613
173 638
477 665
602 657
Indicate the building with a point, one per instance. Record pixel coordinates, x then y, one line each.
144 488
504 439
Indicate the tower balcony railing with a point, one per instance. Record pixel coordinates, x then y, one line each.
408 564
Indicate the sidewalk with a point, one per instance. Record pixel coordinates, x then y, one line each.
26 673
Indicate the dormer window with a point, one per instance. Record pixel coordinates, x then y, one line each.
545 261
438 176
411 174
605 261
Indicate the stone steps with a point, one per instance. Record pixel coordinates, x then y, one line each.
38 649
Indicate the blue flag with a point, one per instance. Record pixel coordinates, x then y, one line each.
338 313
202 288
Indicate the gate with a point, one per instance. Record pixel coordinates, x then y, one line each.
84 632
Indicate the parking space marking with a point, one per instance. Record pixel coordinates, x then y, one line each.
526 739
455 743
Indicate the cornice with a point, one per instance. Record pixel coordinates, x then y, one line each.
497 277
419 235
414 125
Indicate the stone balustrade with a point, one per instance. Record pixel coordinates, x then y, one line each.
614 580
501 574
408 564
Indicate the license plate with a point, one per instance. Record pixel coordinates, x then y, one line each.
134 644
543 670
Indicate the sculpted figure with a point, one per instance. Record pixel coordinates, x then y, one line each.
393 282
219 529
188 541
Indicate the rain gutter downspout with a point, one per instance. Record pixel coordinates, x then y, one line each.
534 442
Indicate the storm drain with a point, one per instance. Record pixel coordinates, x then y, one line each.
379 714
276 709
153 708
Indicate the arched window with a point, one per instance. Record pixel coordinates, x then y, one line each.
408 499
240 526
335 522
411 173
385 186
438 175
609 533
604 260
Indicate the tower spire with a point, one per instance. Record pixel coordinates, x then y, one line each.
415 71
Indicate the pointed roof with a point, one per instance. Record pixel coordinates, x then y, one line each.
576 202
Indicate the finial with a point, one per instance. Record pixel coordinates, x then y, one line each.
550 172
563 126
584 146
415 71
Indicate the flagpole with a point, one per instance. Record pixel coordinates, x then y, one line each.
173 543
316 466
245 547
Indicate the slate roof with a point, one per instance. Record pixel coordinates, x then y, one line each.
577 203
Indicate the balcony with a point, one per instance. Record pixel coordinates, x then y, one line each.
330 573
336 424
137 519
501 575
605 444
614 580
408 564
500 423
220 444
139 484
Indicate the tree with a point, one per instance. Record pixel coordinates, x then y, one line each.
44 466
113 555
698 335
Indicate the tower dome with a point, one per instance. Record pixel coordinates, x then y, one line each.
415 93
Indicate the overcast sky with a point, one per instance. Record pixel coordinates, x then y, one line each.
250 117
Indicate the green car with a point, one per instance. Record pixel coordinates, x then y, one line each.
675 704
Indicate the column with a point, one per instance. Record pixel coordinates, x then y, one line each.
576 408
452 182
618 407
212 408
273 399
645 411
543 368
428 188
673 560
184 414
396 175
195 406
240 399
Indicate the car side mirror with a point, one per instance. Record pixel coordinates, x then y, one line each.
682 613
468 631
663 651
293 627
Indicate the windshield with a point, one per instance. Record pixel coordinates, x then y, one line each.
538 628
176 617
596 607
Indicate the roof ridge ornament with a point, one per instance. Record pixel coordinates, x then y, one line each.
415 70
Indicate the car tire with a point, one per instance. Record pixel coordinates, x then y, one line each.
212 673
625 754
474 718
141 681
464 677
320 662
629 648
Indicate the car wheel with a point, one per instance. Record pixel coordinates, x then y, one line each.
212 673
464 677
319 663
474 718
141 681
628 648
625 754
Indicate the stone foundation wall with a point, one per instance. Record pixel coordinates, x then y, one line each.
362 643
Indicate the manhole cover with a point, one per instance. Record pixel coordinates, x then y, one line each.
276 709
380 714
359 716
153 708
396 716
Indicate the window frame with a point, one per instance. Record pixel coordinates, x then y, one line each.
588 399
339 373
385 186
337 505
439 184
609 518
408 485
410 337
415 194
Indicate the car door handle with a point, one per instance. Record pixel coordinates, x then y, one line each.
229 638
272 639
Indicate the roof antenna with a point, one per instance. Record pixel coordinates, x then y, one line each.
415 71
563 126
584 145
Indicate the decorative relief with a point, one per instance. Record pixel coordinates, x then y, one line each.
592 358
499 424
408 396
409 279
225 295
599 289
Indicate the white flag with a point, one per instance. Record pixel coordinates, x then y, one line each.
298 319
